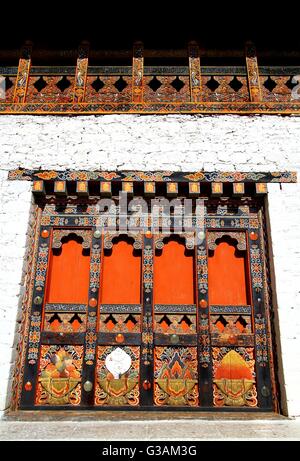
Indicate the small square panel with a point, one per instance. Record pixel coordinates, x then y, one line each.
238 189
194 189
149 188
127 187
82 188
216 188
105 189
172 189
38 187
60 188
261 188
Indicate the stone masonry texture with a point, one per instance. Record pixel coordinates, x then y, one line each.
149 142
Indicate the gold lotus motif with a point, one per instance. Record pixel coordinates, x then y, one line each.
59 389
176 389
117 389
234 390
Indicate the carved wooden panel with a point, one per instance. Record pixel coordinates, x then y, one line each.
121 388
54 88
103 88
175 324
234 377
60 373
224 88
176 376
141 333
166 88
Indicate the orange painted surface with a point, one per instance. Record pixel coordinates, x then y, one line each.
174 275
227 280
233 366
121 275
68 280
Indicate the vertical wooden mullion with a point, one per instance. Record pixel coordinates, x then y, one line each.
22 79
90 346
262 365
253 73
81 73
147 363
138 73
195 72
38 301
204 343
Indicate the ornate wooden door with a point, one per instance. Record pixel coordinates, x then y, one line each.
142 320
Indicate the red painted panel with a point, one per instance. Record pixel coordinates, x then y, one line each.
121 275
227 276
68 280
174 275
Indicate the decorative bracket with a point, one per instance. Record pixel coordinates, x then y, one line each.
253 73
195 72
137 72
23 74
81 73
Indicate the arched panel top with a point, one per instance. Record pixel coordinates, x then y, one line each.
110 236
161 238
239 237
60 234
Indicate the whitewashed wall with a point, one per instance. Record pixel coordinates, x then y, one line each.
171 142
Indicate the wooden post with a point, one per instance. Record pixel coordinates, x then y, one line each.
138 72
195 72
252 73
81 72
23 74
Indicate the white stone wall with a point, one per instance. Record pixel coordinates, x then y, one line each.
149 142
284 213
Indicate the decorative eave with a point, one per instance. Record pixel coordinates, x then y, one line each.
141 89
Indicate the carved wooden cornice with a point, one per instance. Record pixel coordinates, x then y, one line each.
186 89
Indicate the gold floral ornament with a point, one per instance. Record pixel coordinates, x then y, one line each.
176 381
59 380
